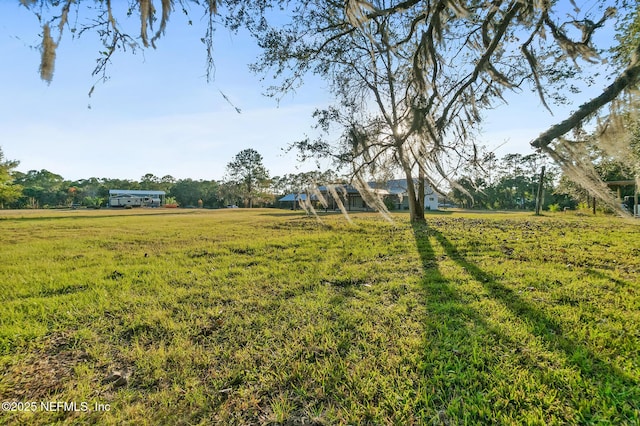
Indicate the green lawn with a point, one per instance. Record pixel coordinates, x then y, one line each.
269 316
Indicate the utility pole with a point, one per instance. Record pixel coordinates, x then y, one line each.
539 193
636 209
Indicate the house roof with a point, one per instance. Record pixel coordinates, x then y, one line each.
395 187
391 187
296 197
350 189
135 192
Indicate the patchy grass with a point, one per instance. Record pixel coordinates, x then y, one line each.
266 317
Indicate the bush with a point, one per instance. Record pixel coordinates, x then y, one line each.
390 204
554 207
583 206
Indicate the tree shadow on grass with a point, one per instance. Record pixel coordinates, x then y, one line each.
479 373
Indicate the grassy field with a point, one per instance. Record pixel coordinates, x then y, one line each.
267 317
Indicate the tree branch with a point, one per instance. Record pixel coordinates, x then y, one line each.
628 78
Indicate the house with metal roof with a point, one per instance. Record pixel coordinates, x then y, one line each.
136 198
394 192
291 201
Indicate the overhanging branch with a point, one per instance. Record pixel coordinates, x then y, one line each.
628 78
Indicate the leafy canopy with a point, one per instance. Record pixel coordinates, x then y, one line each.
9 191
247 173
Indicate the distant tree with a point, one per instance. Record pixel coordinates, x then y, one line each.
603 167
249 176
151 182
42 188
299 182
512 184
230 193
9 191
85 188
518 182
165 183
468 192
211 194
188 192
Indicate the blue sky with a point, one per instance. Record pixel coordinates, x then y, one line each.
157 113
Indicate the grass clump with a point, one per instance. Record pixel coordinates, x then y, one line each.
265 317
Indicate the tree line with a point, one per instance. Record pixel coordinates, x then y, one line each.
505 183
246 183
511 182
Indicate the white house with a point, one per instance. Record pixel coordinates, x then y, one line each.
398 188
393 191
